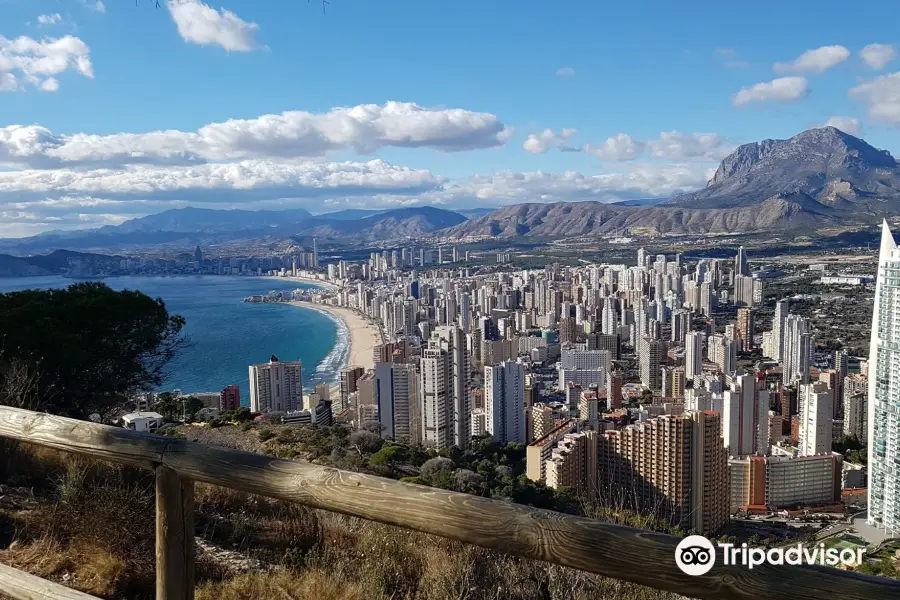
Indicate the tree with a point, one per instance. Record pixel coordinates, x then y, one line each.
89 346
389 456
174 408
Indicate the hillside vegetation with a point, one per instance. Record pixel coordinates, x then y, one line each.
90 525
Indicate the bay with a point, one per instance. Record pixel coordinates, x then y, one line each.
226 334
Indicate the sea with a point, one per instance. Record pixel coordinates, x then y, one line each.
225 334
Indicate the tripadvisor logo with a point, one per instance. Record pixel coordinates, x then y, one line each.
695 555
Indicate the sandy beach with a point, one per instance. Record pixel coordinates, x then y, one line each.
363 335
317 282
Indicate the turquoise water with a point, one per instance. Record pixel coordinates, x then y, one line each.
226 334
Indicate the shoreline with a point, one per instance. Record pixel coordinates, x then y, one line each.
363 335
297 279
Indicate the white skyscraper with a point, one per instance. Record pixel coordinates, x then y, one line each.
276 386
816 404
884 391
445 389
693 354
738 416
781 313
504 402
436 392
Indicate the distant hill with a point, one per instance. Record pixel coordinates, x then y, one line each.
189 227
55 263
589 218
472 213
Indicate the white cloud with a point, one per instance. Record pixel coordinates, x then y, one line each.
619 147
97 6
49 19
538 143
783 89
565 72
846 124
201 24
815 61
289 135
252 179
8 82
510 187
50 84
881 96
876 56
674 145
34 61
728 57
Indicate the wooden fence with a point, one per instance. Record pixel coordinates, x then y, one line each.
615 551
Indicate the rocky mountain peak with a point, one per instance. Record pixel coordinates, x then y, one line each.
825 148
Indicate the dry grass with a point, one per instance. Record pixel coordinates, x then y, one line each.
94 530
286 585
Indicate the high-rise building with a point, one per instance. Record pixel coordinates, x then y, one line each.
446 394
778 329
437 403
573 463
504 402
746 327
230 398
567 330
276 386
884 389
743 290
797 350
855 391
673 466
650 355
397 398
693 354
349 378
745 416
741 266
816 418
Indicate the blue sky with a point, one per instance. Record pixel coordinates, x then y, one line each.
645 97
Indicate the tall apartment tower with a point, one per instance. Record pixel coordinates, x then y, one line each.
746 327
650 355
397 398
675 465
884 389
745 416
504 402
450 389
349 378
781 312
797 350
276 386
741 266
693 354
816 418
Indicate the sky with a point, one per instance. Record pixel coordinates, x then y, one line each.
114 109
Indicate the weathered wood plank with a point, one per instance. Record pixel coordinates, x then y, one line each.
174 536
20 585
82 437
624 553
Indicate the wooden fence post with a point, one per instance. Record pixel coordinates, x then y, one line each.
174 536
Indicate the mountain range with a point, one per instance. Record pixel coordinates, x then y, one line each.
820 178
191 226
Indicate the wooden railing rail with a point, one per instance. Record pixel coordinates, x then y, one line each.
624 553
